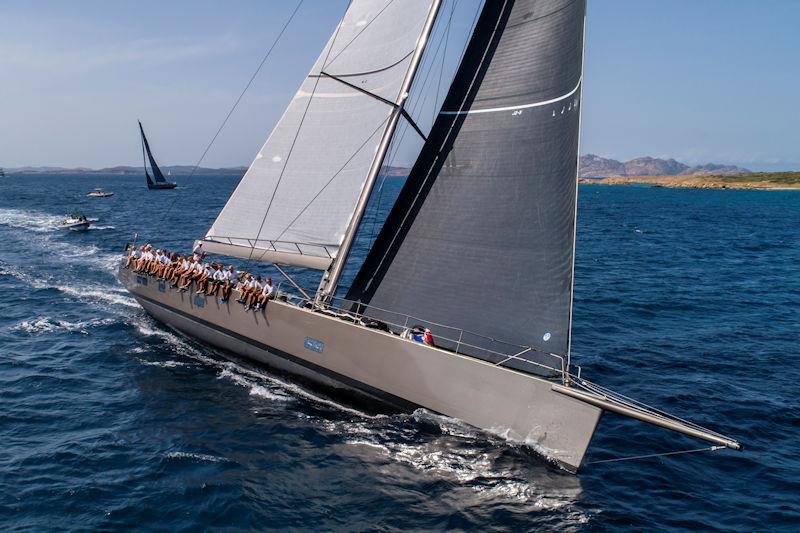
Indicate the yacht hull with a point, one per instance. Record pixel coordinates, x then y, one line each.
520 407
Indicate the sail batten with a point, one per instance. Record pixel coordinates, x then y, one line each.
481 236
303 185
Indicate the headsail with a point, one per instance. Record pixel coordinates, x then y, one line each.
157 174
482 234
294 203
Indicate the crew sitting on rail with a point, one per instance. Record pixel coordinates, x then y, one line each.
161 263
253 292
267 294
133 256
169 270
179 271
226 284
209 284
144 259
192 274
182 271
153 261
244 286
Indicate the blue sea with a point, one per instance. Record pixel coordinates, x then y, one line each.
686 299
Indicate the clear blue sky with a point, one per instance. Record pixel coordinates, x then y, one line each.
701 81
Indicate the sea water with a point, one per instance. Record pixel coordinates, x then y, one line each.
686 299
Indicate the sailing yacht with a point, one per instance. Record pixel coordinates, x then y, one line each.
157 181
478 248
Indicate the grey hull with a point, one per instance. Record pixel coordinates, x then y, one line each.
520 407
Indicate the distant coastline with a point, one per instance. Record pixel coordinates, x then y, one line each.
752 180
175 170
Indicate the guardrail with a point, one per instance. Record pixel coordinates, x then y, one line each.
457 340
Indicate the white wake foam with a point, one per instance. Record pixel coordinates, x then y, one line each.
161 364
254 388
29 220
44 324
197 457
147 327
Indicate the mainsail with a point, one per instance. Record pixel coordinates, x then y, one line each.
157 174
296 200
482 235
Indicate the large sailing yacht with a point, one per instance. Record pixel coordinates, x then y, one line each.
157 181
478 248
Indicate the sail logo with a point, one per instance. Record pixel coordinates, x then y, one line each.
314 345
199 301
162 287
141 280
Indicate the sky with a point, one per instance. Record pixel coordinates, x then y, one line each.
700 81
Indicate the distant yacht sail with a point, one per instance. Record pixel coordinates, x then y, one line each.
157 181
2 173
463 305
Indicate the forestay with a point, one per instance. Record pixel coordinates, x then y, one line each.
295 201
482 234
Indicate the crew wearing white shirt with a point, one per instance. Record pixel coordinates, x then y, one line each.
267 293
197 251
227 282
253 290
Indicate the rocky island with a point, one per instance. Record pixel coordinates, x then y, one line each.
674 174
752 180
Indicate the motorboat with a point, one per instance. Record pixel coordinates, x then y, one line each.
100 193
76 222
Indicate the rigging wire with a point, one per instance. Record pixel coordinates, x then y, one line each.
663 454
308 204
235 104
417 104
327 63
444 54
294 141
246 87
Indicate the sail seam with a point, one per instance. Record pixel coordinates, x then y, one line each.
515 107
326 63
294 141
381 125
366 73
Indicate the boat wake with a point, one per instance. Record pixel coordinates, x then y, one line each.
431 443
29 220
95 294
44 324
480 472
203 457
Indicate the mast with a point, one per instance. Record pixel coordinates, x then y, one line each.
330 278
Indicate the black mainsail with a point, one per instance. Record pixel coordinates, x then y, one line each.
158 181
482 234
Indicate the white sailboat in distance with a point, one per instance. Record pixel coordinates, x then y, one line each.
492 197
